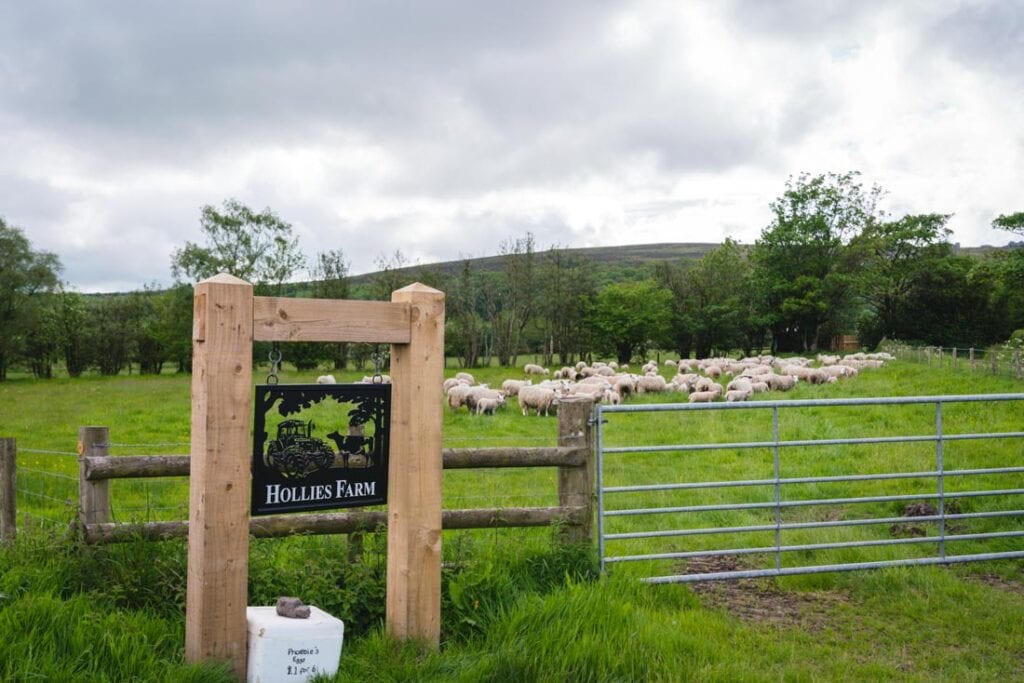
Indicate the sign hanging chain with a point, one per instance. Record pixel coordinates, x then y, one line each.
378 361
275 363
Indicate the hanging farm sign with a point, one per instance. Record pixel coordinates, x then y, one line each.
320 447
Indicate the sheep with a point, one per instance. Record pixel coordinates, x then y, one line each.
451 382
376 379
713 371
479 391
702 384
669 363
566 373
538 398
613 365
590 390
488 405
457 396
624 385
738 395
780 382
703 396
649 366
606 371
580 365
534 369
740 384
838 370
650 383
465 377
511 387
326 379
611 397
759 387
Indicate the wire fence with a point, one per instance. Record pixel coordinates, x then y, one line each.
1004 361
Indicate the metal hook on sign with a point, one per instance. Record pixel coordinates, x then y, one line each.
275 363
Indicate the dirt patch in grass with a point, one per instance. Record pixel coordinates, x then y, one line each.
759 600
999 583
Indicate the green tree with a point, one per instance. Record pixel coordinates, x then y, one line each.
516 298
41 335
465 325
257 247
72 314
804 267
627 316
331 281
24 275
895 256
1014 222
566 287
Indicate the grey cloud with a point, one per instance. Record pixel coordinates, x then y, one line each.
985 35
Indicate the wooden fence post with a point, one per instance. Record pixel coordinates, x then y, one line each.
1018 370
993 361
413 609
93 496
974 365
8 489
221 451
576 484
955 358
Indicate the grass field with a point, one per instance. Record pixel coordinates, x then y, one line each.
518 607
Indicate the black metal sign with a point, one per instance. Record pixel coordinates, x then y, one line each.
320 446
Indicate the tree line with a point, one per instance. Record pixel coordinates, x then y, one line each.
831 262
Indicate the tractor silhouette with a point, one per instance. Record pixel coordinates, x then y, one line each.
295 453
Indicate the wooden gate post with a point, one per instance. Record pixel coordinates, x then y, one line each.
576 484
218 529
8 488
93 496
413 609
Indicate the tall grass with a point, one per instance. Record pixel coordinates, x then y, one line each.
516 605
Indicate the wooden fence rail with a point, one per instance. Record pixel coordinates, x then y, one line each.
573 457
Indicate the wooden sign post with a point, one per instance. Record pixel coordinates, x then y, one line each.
227 319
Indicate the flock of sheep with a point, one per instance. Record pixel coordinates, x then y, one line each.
701 380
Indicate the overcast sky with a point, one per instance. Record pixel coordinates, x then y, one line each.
443 128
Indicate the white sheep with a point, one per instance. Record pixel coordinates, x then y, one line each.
740 384
479 391
457 396
611 397
488 405
566 373
703 396
326 379
465 377
737 395
451 382
534 369
759 387
780 382
511 387
713 371
376 379
650 384
537 398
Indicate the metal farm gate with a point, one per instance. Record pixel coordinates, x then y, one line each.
691 492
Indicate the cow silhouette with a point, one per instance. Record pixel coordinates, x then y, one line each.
354 443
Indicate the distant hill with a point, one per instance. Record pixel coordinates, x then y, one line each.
628 257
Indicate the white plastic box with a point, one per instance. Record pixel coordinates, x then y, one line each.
282 650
